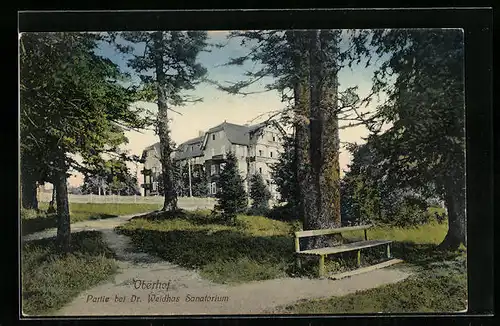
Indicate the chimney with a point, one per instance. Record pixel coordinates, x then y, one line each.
201 133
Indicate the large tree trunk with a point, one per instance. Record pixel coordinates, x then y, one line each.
329 174
63 219
454 199
170 196
306 200
28 189
324 138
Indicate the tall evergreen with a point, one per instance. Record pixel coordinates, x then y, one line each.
259 193
231 195
167 67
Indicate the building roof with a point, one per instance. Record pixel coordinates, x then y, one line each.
183 153
236 134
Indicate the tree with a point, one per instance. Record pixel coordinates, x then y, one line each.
231 195
304 66
284 176
199 181
73 102
425 147
369 197
260 194
167 66
115 177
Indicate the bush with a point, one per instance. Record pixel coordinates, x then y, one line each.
287 212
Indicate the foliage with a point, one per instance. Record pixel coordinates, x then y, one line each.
73 102
166 63
284 174
115 178
199 181
49 280
260 195
425 147
367 197
231 195
285 212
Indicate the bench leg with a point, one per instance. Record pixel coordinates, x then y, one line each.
359 258
388 250
321 269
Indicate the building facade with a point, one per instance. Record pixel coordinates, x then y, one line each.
256 147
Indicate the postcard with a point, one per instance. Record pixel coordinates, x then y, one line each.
254 172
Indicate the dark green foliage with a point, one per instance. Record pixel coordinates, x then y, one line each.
73 102
260 195
367 197
231 195
167 67
423 77
286 212
284 175
199 181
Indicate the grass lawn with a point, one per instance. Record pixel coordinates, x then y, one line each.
50 279
34 222
258 248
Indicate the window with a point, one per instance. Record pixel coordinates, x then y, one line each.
192 148
213 188
260 152
274 138
212 169
213 136
271 153
260 170
155 186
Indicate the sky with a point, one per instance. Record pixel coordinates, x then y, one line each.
218 106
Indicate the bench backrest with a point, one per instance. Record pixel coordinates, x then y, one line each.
313 233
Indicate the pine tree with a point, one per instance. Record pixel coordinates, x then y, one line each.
73 102
167 67
284 176
231 195
260 194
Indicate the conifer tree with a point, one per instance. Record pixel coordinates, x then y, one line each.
231 195
260 194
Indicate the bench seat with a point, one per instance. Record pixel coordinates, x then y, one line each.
345 247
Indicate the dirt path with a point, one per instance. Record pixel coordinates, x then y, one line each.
183 288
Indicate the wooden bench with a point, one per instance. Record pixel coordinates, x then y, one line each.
324 252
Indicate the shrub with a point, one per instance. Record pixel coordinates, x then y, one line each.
287 212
